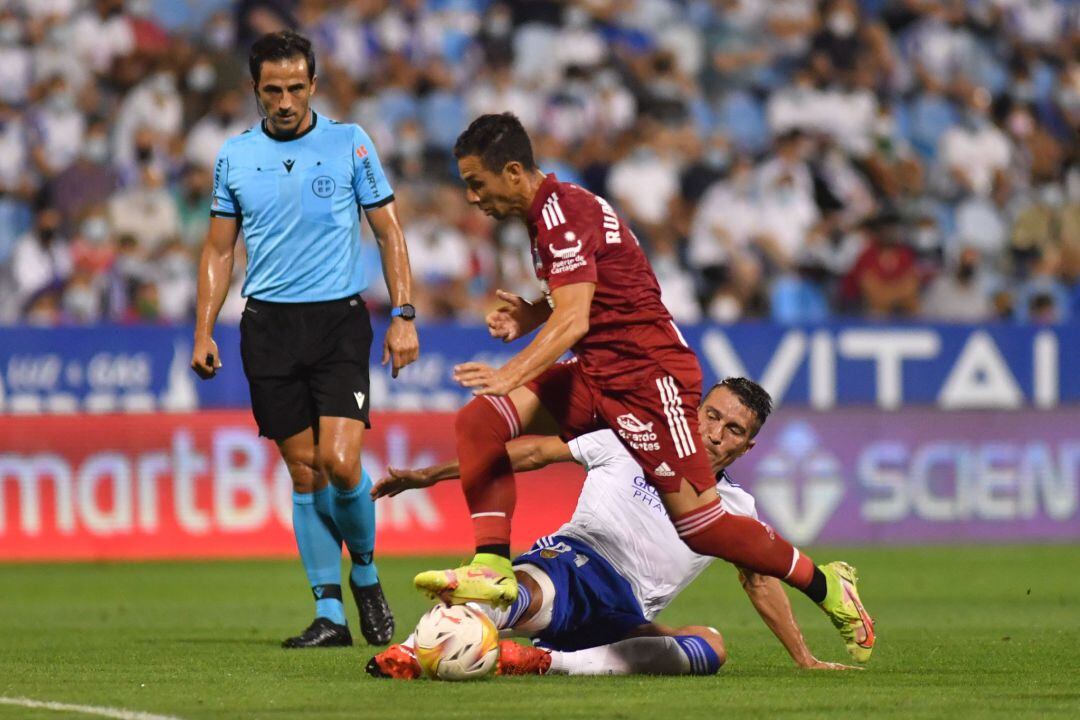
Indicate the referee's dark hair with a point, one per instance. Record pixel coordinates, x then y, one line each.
750 394
280 46
496 140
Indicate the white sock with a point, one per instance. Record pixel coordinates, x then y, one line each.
635 656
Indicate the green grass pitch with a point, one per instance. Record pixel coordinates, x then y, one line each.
962 632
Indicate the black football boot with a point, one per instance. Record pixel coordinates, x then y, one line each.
321 633
376 619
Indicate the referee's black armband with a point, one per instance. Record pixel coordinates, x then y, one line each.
379 203
219 213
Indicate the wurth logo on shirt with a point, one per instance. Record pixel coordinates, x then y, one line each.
361 152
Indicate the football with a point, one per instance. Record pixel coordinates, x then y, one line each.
456 643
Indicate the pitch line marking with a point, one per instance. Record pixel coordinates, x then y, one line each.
109 712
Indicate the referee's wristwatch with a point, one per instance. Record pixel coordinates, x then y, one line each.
405 312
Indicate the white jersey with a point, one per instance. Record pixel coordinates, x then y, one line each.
620 515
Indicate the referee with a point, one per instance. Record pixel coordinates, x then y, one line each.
292 183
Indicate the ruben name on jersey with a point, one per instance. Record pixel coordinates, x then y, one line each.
578 237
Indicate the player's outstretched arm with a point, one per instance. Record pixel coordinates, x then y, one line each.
530 453
771 603
215 274
401 345
569 322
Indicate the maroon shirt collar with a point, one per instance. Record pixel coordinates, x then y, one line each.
542 193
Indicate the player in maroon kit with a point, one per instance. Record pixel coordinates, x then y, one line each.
632 372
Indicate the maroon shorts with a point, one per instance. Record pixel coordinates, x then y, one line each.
657 421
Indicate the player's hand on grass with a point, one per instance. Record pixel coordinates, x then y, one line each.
401 345
815 664
516 317
398 481
483 379
205 358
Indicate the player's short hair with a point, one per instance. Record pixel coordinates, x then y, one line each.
280 46
750 394
496 140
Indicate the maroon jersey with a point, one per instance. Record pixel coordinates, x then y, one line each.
577 237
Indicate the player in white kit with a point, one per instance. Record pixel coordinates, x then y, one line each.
588 594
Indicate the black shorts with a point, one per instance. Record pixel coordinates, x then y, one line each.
304 361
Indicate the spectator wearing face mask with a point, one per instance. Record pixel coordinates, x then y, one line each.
88 181
885 279
53 54
722 233
56 129
645 182
101 34
155 105
837 45
16 184
83 298
963 293
146 211
15 60
210 133
975 152
190 198
1043 298
941 49
94 245
41 257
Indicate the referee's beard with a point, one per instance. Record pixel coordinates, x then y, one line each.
284 123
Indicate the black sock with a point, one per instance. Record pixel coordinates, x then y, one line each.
818 586
503 550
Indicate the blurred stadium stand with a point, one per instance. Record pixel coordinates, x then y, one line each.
793 160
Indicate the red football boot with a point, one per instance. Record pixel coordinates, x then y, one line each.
518 659
396 661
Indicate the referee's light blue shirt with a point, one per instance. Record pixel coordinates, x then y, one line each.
296 202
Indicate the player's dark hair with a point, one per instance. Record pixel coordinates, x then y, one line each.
280 46
750 394
496 140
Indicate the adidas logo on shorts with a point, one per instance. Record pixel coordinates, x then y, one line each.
663 470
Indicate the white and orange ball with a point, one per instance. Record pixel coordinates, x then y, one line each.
456 643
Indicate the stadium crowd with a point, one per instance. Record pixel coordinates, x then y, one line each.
791 159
